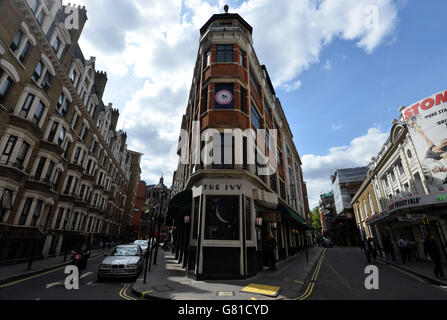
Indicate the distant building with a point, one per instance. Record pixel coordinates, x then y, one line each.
345 183
140 197
327 214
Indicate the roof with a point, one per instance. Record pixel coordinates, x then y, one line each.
226 16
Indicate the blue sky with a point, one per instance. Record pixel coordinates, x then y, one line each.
339 82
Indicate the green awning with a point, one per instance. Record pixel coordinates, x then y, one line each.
288 211
181 200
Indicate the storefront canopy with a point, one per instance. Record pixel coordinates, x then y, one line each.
294 216
181 200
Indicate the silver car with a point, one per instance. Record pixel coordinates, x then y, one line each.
123 261
144 244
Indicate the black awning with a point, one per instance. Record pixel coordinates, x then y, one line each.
181 200
294 216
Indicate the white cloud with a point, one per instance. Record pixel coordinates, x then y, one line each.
318 169
336 127
327 65
148 49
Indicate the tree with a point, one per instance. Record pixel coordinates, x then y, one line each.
316 221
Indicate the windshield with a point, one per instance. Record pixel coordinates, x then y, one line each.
142 243
125 251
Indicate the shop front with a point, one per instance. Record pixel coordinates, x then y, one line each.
414 218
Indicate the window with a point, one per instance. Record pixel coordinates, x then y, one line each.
6 199
75 218
38 113
37 212
22 155
273 182
56 44
46 81
255 117
6 155
267 109
207 58
61 138
38 71
254 82
76 156
49 172
67 217
24 52
73 76
67 187
40 167
27 106
25 211
62 105
279 157
16 41
224 53
222 218
243 100
241 58
35 6
5 85
205 99
409 154
40 17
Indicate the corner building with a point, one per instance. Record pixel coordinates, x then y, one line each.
65 171
221 212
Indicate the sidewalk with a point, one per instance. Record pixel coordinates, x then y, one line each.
422 269
19 271
167 280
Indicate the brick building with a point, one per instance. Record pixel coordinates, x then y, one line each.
65 171
224 209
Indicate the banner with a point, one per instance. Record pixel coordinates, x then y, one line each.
427 123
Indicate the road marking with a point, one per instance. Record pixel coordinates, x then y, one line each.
94 283
311 285
252 298
300 282
342 280
50 285
408 274
144 293
263 289
38 275
123 293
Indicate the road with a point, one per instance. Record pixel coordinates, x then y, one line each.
342 276
50 286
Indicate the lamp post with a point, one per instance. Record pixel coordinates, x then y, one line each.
163 193
185 240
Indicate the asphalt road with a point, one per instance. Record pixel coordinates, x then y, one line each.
50 286
342 276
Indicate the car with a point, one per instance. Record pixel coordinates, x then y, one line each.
123 261
144 244
327 243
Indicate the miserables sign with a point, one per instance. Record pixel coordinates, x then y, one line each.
427 124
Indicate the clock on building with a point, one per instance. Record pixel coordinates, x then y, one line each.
224 97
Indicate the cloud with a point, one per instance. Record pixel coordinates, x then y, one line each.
317 169
336 127
149 49
327 66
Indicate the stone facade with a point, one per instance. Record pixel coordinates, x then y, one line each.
65 171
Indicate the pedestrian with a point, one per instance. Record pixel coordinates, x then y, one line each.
403 248
414 250
431 249
388 248
271 251
81 253
370 250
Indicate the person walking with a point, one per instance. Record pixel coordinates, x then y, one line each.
370 251
431 249
271 251
81 253
388 248
403 248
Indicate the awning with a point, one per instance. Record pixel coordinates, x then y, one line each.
286 210
181 200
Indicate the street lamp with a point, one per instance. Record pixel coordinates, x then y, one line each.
259 222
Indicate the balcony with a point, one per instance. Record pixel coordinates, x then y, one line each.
13 170
39 183
27 125
53 147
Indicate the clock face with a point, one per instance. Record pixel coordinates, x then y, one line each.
224 97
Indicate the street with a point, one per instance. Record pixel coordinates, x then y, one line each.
341 277
50 286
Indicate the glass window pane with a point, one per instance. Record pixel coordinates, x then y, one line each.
16 41
27 106
8 149
25 211
222 218
24 51
5 88
255 117
38 114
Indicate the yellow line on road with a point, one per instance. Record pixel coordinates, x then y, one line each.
144 293
311 285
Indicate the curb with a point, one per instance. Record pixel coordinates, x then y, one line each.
422 275
36 272
149 295
303 289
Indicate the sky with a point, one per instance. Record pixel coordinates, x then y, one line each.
341 69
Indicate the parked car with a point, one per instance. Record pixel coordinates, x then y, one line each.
123 261
327 242
144 244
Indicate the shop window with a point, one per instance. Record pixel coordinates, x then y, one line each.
222 218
